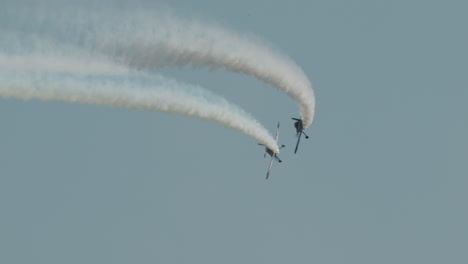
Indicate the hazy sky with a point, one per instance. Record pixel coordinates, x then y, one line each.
382 179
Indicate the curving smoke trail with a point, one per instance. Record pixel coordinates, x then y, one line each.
134 91
55 63
34 67
144 40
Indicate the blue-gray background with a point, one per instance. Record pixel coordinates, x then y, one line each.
382 179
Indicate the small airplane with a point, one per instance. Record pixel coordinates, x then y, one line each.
270 152
299 131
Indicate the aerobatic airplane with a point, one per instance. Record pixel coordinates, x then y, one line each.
299 131
273 155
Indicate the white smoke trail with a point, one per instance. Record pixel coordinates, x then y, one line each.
54 63
135 91
145 39
34 67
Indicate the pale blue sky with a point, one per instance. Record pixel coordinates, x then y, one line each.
382 179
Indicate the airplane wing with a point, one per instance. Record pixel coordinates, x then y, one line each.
277 133
269 167
297 145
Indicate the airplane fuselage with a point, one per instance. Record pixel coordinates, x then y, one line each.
299 127
270 152
299 131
